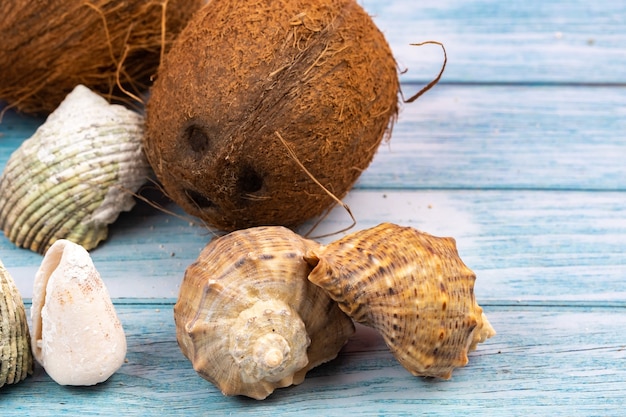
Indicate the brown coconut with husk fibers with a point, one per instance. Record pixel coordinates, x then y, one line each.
244 74
48 47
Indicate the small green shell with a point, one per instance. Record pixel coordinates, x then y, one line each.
74 176
16 360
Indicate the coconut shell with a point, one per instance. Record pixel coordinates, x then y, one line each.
50 46
318 73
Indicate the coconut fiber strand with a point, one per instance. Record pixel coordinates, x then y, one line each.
50 46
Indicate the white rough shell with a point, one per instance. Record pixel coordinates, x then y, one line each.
76 334
74 176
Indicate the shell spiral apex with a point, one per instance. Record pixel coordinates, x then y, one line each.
74 176
410 286
16 359
249 320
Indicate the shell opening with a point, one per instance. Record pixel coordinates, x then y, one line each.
49 264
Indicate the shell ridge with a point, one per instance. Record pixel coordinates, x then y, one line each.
50 218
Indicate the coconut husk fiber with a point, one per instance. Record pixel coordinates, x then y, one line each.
317 73
50 46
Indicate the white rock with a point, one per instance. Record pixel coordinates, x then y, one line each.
76 334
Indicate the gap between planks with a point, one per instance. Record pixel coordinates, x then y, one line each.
498 304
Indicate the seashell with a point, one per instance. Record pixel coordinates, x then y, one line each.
249 320
77 336
16 359
74 175
410 286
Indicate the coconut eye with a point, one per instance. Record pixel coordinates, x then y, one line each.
197 138
250 181
198 200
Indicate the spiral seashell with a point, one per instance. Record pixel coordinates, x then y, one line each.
16 359
410 286
77 336
74 175
249 320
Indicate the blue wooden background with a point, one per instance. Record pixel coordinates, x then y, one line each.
519 153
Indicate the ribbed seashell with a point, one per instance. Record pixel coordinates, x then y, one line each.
74 176
248 318
16 359
410 286
76 334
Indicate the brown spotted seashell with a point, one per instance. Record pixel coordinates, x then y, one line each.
248 318
410 286
16 359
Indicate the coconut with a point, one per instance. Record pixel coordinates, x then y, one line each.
50 46
244 74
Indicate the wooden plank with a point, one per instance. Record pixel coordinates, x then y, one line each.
483 137
519 42
518 154
545 359
473 137
14 129
534 41
523 245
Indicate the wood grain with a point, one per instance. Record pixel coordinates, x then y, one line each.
513 137
514 42
518 154
523 245
545 359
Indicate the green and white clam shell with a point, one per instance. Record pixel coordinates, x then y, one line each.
75 175
16 359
